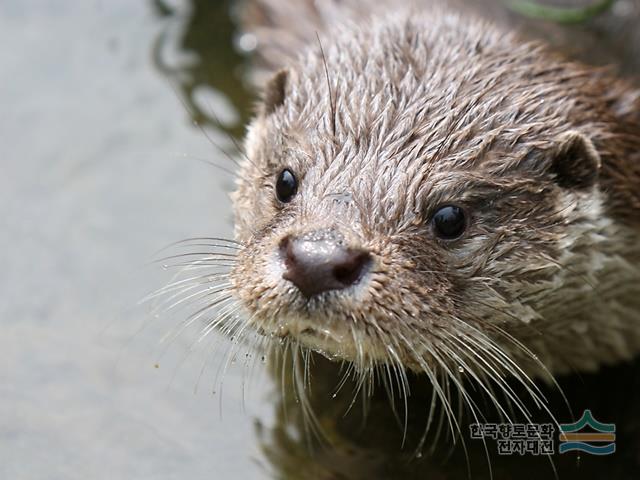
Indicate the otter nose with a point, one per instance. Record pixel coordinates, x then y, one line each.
317 265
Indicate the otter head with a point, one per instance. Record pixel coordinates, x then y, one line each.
422 197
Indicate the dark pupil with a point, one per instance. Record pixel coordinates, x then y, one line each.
286 186
449 222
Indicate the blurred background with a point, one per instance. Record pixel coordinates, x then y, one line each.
100 170
111 113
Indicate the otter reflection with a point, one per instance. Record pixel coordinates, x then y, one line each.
367 440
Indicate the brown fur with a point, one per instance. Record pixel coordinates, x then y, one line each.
393 112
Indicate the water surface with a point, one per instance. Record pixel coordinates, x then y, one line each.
102 167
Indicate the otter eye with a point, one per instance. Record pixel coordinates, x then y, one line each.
286 186
449 222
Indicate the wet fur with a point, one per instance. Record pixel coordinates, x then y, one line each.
385 119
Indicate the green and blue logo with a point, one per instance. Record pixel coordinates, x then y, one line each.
572 439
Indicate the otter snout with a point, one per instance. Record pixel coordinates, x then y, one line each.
318 262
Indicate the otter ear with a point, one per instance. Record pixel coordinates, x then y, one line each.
575 162
275 92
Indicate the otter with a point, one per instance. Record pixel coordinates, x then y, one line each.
425 190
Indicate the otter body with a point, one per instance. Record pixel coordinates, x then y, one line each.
424 189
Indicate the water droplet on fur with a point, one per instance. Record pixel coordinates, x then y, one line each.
247 42
165 266
419 455
334 395
461 369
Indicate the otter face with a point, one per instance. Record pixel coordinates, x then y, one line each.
404 207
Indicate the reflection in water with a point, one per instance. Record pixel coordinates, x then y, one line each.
368 441
207 38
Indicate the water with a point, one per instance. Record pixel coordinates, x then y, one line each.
101 169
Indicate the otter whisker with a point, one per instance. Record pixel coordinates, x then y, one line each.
205 243
444 397
332 101
193 317
486 368
196 265
497 353
535 358
403 387
170 337
229 242
200 280
540 402
204 256
212 353
471 406
346 374
198 125
493 375
239 148
230 357
453 355
186 279
283 374
225 256
190 350
311 423
198 295
258 347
